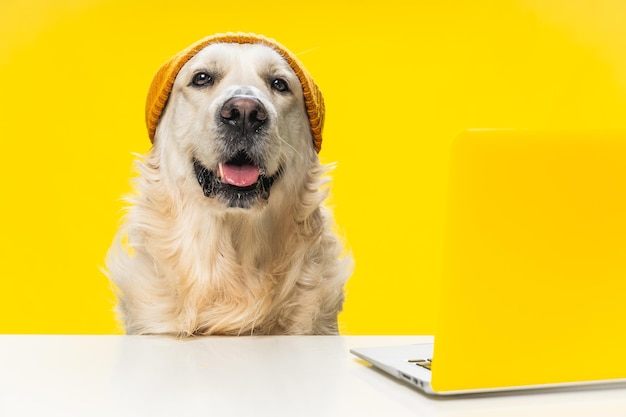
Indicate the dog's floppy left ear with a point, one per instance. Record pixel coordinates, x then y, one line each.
163 80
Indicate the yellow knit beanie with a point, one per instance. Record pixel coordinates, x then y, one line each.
163 81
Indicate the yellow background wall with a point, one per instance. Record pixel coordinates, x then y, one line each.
400 79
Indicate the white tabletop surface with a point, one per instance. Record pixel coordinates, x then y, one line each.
246 376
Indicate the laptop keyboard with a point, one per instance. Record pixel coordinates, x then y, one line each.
424 363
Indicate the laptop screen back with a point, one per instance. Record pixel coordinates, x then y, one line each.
534 286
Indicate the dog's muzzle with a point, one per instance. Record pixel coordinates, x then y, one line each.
240 180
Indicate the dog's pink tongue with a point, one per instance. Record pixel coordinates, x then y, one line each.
239 175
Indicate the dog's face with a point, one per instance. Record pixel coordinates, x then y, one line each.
236 123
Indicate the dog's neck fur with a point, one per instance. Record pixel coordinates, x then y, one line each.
235 226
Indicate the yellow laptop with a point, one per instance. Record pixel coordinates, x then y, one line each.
534 286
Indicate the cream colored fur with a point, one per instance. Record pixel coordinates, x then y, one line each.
183 264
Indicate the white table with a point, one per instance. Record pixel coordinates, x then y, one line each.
292 376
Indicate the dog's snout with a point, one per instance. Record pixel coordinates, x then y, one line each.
245 113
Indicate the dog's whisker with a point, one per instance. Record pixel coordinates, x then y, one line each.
307 51
283 141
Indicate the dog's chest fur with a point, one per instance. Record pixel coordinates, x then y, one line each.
188 271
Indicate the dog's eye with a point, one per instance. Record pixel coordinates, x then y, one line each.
202 79
280 85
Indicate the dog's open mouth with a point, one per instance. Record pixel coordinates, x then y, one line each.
239 171
238 182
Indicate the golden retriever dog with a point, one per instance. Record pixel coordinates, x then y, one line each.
226 232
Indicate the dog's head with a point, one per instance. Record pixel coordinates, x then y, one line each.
236 122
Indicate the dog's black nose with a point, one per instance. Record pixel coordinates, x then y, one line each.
244 112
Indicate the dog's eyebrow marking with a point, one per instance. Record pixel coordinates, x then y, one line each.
212 66
213 69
